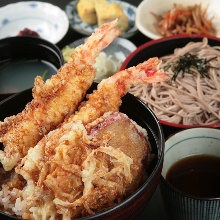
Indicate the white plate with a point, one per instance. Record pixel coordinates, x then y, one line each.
145 21
49 21
83 28
120 48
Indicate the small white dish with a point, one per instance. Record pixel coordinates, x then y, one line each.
78 25
48 20
146 22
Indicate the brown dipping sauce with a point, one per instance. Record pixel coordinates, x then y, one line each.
197 175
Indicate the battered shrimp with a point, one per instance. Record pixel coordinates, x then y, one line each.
111 90
55 99
59 166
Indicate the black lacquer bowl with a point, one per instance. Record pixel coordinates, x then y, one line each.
139 112
22 58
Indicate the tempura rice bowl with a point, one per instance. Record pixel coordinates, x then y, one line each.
139 112
162 47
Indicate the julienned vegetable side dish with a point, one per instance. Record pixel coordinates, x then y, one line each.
184 20
61 161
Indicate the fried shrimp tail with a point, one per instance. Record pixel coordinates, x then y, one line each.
55 99
108 95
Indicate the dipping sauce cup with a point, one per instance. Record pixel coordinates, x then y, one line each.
190 182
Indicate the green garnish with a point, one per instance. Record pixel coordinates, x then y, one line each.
44 75
188 61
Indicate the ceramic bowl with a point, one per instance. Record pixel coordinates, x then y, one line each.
146 22
47 20
78 25
181 205
22 59
139 112
162 47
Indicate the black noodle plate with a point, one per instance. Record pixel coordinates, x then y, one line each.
159 48
139 112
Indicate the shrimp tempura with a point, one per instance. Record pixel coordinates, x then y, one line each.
57 165
55 99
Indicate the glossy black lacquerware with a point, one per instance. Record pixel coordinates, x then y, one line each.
29 48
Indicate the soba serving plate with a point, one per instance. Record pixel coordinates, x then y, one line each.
162 47
146 21
78 25
133 206
49 21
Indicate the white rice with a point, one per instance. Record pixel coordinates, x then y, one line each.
9 201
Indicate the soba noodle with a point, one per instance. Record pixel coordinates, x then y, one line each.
189 100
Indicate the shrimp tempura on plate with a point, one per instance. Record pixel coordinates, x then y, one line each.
55 99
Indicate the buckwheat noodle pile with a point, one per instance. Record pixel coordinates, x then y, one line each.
191 99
